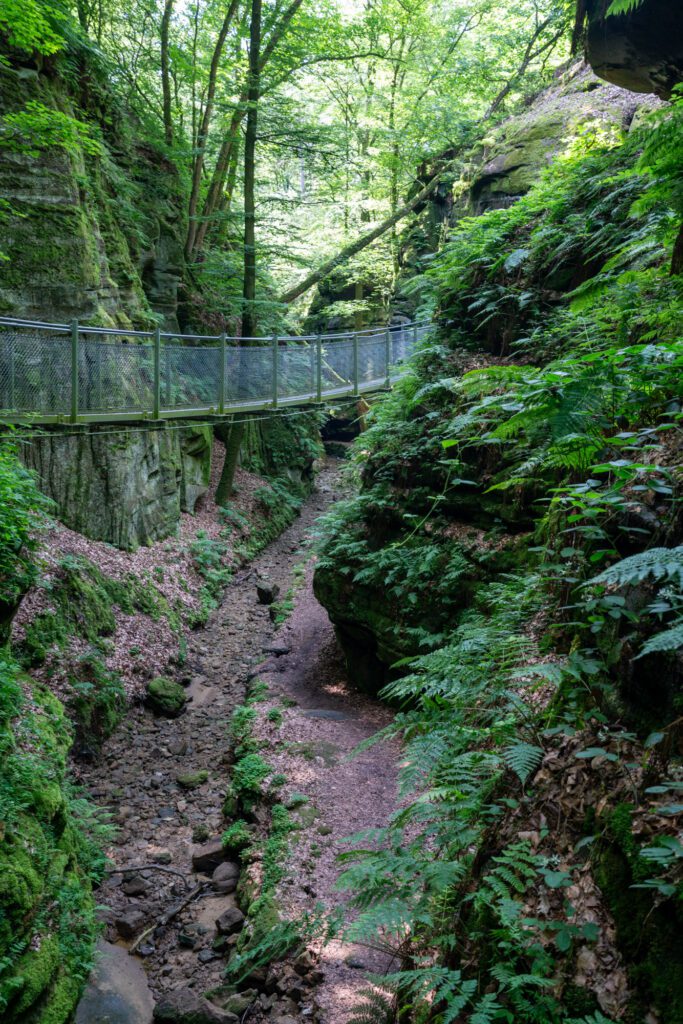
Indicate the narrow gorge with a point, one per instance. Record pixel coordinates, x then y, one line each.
341 524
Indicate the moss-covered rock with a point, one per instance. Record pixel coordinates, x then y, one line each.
165 697
47 924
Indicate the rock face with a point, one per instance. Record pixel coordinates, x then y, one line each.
525 144
642 50
128 489
75 251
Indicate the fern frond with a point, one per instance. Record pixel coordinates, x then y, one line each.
523 759
670 639
655 563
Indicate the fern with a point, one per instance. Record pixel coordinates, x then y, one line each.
523 759
623 6
670 639
376 1007
662 564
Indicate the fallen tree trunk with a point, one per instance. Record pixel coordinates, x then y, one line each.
360 243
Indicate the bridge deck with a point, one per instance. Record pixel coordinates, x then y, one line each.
55 373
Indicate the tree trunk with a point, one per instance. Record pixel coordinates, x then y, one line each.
253 93
249 325
677 257
165 72
361 243
204 126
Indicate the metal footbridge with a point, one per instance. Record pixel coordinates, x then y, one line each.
69 373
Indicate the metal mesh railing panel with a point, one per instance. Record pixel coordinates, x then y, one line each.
190 376
248 375
296 371
114 375
35 371
337 365
372 359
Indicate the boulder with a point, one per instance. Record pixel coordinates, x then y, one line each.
267 592
209 855
225 877
230 921
165 697
183 1006
129 922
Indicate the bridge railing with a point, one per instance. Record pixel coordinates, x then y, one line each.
74 373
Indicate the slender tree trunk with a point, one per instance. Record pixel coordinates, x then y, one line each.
205 124
360 243
165 72
249 322
249 286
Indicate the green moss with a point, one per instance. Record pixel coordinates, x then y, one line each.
192 780
47 859
648 936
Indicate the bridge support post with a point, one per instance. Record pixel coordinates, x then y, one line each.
74 371
319 369
157 374
221 375
355 364
276 367
387 356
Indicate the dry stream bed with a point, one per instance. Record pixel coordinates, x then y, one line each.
165 781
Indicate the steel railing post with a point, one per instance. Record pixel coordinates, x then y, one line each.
167 375
319 368
12 371
276 360
355 364
221 375
414 337
157 374
74 371
387 352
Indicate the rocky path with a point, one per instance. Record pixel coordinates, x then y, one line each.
165 781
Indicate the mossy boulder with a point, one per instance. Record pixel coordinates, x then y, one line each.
165 697
192 780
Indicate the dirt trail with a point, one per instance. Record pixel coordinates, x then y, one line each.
137 775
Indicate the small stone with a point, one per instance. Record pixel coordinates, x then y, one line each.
209 855
232 1002
145 949
205 956
230 921
178 746
278 649
166 813
163 857
135 886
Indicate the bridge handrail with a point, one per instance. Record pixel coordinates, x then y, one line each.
125 332
52 373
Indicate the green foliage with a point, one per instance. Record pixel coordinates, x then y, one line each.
21 505
568 432
38 127
32 26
